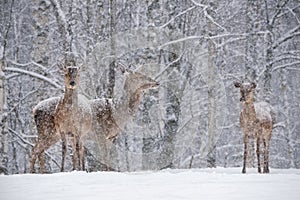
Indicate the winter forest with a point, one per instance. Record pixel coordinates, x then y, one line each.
194 49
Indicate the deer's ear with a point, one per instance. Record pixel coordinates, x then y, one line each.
80 67
122 68
253 85
61 66
237 84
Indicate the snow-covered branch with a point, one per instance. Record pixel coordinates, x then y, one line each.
20 101
208 16
286 65
194 37
60 14
178 15
28 63
289 35
281 58
164 69
199 4
35 75
22 136
180 40
278 11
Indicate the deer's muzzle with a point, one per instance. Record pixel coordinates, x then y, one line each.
72 83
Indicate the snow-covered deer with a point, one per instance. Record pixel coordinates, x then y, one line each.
73 118
256 121
111 116
43 114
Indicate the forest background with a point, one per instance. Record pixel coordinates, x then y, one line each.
195 49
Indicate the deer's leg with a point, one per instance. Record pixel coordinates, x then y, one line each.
42 162
81 156
75 149
258 154
246 141
74 153
33 159
64 151
266 156
78 154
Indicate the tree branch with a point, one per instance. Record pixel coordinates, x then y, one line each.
35 75
20 136
278 11
285 65
292 33
178 15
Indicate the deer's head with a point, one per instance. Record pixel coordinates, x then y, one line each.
136 81
71 77
247 91
140 81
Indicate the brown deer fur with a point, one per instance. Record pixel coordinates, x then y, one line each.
43 114
72 118
256 121
108 118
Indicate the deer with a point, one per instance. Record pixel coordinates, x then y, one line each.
104 114
47 111
256 121
110 116
73 118
43 114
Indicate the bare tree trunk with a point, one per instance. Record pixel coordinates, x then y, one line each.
64 29
3 122
270 22
286 116
172 112
41 42
111 71
211 143
4 134
252 19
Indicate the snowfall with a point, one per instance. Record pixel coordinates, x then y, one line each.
216 183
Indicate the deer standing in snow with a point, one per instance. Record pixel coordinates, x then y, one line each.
256 121
73 118
77 119
110 117
43 114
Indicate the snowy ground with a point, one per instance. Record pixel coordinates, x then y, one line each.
197 184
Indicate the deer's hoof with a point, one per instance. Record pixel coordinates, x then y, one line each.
266 170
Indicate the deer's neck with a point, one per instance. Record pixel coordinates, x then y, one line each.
248 112
248 106
128 105
132 99
71 97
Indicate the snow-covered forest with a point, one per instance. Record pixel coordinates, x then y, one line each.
195 49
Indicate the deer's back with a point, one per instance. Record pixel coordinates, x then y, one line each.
103 117
43 114
46 107
263 112
84 113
